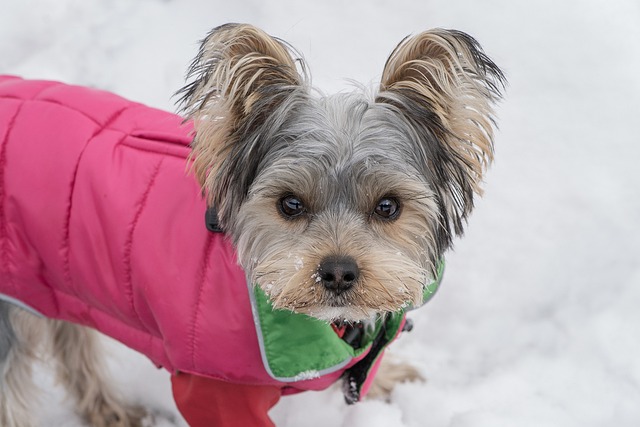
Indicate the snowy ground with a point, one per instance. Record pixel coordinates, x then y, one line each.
537 323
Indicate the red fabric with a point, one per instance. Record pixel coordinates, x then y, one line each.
205 402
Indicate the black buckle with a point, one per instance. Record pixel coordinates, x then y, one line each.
355 377
352 334
211 220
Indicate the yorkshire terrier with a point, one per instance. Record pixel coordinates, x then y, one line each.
339 207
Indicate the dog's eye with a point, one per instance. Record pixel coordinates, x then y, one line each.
290 206
388 208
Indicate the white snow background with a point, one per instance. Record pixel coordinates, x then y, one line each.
538 320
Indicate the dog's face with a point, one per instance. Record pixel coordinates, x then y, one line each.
340 207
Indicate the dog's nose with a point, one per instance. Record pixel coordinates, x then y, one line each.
338 273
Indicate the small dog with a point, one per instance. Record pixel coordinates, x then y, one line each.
340 207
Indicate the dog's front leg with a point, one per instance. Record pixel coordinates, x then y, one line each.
80 368
20 334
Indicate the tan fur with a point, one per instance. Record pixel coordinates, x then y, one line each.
249 60
390 275
392 372
17 390
242 76
439 68
80 368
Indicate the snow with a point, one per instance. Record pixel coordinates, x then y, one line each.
307 375
537 321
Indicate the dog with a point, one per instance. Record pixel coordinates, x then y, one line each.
339 210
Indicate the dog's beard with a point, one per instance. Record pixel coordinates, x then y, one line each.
387 282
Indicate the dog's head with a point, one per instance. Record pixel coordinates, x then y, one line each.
340 207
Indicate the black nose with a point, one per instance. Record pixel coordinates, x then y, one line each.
338 273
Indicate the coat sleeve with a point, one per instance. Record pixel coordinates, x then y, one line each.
205 402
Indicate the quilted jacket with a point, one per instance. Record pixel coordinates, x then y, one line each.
102 225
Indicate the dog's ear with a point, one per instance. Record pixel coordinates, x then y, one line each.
443 84
237 81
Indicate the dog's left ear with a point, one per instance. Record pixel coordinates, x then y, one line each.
443 84
238 80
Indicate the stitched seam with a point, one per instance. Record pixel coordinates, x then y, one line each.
106 126
128 282
147 150
203 270
142 328
60 104
4 232
65 249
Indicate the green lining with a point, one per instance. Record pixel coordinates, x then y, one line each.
295 346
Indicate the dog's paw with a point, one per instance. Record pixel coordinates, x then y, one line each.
105 415
391 373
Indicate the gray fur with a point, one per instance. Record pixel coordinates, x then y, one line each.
7 334
340 155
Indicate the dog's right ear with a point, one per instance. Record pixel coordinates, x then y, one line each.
239 78
442 83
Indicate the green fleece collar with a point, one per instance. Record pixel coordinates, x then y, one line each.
298 347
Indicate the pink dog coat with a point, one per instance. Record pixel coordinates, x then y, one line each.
101 225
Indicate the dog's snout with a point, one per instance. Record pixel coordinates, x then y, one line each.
338 273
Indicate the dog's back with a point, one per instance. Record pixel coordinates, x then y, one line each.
74 183
96 206
100 225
